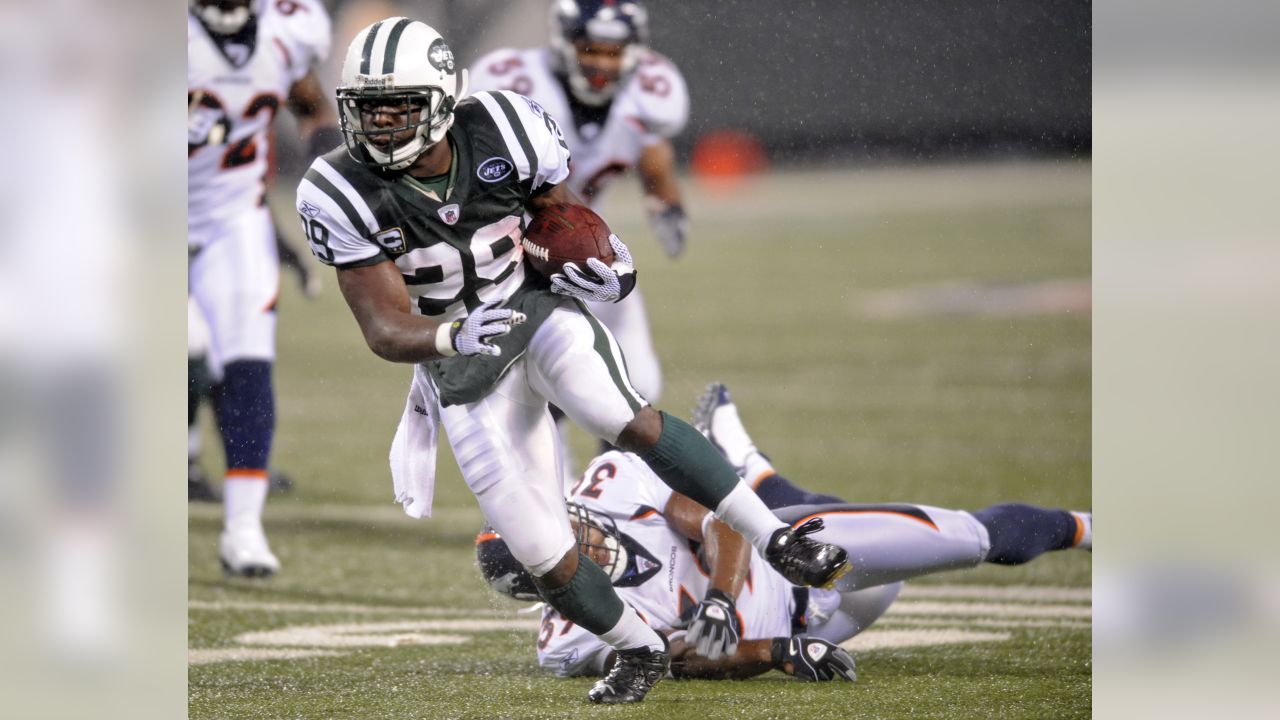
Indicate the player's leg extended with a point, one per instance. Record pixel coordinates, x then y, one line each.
234 279
575 363
836 617
505 445
1020 533
888 543
716 417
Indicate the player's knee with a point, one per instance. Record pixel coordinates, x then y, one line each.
561 573
642 432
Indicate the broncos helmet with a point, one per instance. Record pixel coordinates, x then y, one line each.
398 62
500 568
625 22
507 576
224 17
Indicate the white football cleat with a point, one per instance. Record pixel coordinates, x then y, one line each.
244 552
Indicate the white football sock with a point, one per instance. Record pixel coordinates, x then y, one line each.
731 436
1084 530
757 467
743 511
631 632
244 493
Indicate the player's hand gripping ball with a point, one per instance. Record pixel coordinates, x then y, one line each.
566 233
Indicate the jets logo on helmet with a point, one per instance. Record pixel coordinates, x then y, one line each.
624 23
399 87
441 56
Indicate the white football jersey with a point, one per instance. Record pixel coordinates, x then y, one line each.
652 105
233 94
664 576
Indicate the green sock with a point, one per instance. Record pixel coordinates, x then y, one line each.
588 599
689 464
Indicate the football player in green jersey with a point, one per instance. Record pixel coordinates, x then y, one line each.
423 215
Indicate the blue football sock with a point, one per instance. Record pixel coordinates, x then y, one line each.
1019 533
776 491
246 413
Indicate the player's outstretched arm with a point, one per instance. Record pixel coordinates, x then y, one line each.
714 630
753 657
657 169
377 297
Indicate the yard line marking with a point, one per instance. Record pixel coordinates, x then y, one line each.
988 609
385 634
204 656
223 605
999 592
985 622
886 639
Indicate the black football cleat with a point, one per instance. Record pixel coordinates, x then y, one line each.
633 675
806 562
199 489
278 483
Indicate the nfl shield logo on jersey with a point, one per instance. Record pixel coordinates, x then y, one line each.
449 213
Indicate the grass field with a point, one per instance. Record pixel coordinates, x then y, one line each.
908 335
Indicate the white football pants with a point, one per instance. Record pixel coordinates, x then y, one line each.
629 322
507 446
888 543
234 279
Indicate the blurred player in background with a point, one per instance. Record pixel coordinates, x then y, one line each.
200 387
619 104
422 213
244 59
663 551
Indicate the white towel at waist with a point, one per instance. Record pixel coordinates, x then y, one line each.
413 450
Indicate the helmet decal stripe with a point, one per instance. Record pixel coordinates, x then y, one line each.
366 55
393 41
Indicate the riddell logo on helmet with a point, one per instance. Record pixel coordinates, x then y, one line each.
378 82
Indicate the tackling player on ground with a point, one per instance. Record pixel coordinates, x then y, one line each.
663 552
619 104
423 214
245 58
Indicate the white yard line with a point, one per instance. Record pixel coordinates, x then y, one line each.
341 608
998 592
386 634
206 656
988 610
885 639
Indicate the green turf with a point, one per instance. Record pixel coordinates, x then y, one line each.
956 410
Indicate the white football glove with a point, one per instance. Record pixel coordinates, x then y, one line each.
714 629
669 223
605 284
474 334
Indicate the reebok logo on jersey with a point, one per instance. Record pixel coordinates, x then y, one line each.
494 169
308 209
449 213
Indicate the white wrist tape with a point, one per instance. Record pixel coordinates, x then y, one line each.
444 340
706 525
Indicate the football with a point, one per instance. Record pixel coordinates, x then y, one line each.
564 233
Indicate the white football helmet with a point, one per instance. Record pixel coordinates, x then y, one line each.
398 61
225 17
